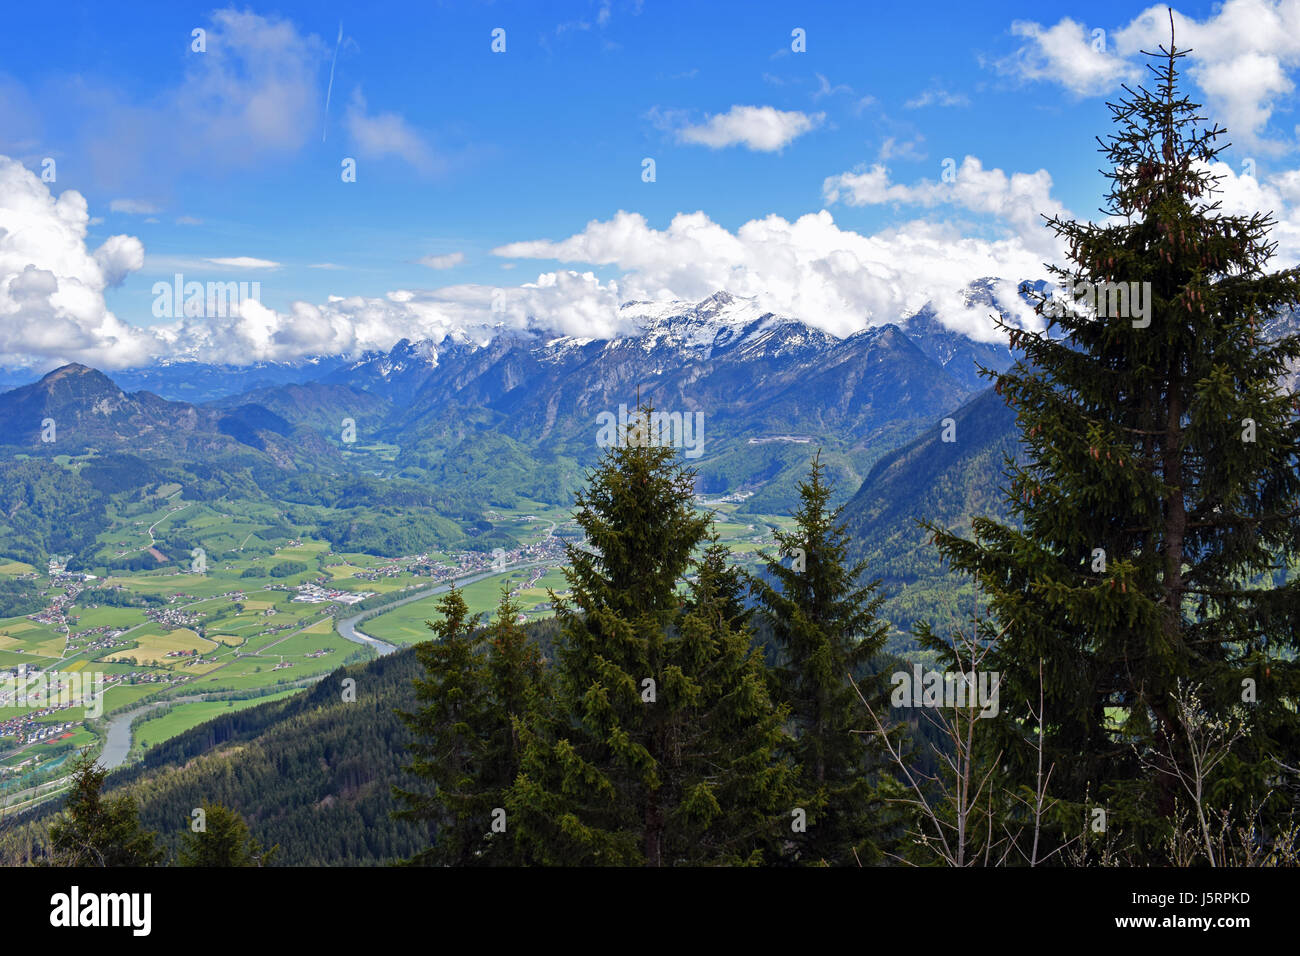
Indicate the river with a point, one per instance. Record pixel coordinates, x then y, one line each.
117 744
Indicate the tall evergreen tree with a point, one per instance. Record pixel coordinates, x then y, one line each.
825 626
480 686
643 759
516 687
93 831
448 743
224 841
734 792
1156 516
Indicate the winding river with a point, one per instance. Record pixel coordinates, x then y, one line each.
117 744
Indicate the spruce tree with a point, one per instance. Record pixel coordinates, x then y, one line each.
658 748
825 628
94 831
516 688
224 841
1156 514
733 791
448 744
479 687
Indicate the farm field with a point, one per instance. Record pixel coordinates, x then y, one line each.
406 624
161 649
199 597
153 730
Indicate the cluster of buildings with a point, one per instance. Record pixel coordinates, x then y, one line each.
59 573
26 729
55 615
107 640
394 570
534 575
171 617
319 594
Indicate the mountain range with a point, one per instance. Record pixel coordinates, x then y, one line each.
431 432
481 420
752 373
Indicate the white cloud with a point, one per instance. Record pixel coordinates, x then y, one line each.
1242 56
188 221
328 266
566 302
1019 200
937 98
1279 194
133 207
52 305
836 279
244 262
387 134
118 257
1071 55
892 148
824 88
760 128
253 95
449 261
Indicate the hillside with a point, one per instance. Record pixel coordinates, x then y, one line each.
312 773
930 479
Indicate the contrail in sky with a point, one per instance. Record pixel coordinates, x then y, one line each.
330 90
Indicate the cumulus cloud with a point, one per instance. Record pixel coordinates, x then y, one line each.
1242 56
449 261
566 302
1069 54
759 128
1019 200
52 306
118 257
51 286
1242 195
837 279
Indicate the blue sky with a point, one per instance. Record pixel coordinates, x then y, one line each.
467 158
